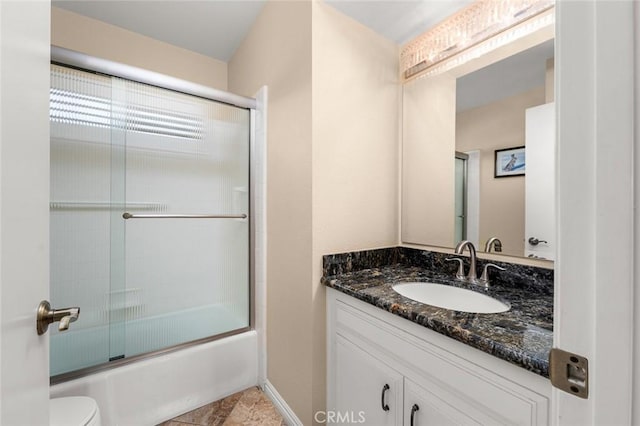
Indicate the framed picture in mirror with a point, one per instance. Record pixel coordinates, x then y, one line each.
510 162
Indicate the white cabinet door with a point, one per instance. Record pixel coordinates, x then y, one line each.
424 407
367 390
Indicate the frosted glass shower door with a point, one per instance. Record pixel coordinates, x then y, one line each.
86 235
154 279
187 274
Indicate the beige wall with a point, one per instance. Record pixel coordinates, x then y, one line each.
355 134
499 125
428 146
355 152
96 38
549 85
277 53
345 118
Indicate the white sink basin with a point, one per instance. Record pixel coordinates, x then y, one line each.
449 297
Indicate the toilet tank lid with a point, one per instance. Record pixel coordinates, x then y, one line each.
72 410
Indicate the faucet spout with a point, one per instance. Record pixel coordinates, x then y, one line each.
472 276
495 243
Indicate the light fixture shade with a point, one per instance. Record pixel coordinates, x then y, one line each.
498 20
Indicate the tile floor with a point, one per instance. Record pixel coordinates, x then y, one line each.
250 407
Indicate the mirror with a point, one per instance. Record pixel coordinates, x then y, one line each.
478 153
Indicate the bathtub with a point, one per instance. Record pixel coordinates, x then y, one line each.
150 391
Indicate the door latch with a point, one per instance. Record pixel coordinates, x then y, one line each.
569 372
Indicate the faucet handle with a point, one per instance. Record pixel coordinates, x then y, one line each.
460 273
484 278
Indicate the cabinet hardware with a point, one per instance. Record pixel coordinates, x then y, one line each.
413 412
385 407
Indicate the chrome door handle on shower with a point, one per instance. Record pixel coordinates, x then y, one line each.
534 241
183 216
46 316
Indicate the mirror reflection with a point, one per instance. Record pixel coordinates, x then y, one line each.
478 155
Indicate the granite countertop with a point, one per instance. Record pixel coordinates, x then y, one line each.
522 336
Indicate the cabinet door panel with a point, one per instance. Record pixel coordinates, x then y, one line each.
360 388
431 409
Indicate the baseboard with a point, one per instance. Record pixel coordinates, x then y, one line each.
281 405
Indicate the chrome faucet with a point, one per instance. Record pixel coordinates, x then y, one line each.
495 242
472 277
484 278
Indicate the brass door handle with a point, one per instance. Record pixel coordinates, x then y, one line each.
46 316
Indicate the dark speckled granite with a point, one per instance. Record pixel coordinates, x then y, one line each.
523 335
343 263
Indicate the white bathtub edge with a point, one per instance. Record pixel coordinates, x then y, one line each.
281 405
160 388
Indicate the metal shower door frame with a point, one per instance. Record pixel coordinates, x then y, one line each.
70 58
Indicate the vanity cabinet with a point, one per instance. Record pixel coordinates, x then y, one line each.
366 388
440 380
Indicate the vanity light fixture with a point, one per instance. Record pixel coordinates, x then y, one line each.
479 28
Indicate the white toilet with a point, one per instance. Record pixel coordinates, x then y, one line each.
74 411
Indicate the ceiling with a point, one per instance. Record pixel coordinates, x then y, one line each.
216 28
213 28
399 20
508 77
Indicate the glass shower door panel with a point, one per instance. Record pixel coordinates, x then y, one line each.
117 289
80 216
186 278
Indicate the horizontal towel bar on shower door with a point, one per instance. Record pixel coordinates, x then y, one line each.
183 216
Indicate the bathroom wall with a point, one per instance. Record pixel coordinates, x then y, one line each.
428 147
277 53
355 130
498 125
549 84
76 32
355 152
333 99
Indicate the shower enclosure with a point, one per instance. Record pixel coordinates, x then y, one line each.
150 229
